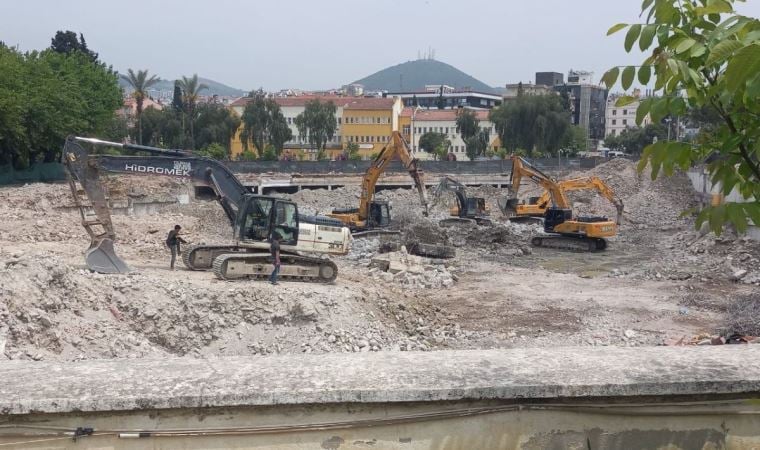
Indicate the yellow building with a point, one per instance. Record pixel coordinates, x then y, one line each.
369 122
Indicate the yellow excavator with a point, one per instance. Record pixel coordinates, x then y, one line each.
563 230
374 216
536 207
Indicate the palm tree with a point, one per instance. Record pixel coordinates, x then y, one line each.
140 84
191 89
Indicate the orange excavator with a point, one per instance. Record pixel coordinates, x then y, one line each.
563 231
536 207
374 216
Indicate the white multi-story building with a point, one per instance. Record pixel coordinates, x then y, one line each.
619 118
291 107
442 121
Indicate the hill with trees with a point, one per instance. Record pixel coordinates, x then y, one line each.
414 75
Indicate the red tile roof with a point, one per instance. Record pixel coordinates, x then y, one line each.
293 101
345 102
368 103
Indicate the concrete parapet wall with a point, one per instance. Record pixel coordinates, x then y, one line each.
701 397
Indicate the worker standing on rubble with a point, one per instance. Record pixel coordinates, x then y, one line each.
275 249
173 241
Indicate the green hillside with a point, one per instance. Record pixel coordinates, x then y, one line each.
214 87
414 75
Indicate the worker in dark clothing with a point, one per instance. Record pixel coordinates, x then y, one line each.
173 241
275 249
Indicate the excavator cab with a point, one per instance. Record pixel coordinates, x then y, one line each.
379 214
262 217
475 207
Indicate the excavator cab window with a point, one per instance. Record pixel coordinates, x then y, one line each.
257 219
379 215
286 222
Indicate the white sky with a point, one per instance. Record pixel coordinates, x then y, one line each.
317 44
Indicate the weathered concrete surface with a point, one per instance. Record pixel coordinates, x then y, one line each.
385 377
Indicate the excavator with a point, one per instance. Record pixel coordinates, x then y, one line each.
536 207
467 209
373 217
563 230
255 219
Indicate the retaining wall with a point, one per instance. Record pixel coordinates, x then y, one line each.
607 397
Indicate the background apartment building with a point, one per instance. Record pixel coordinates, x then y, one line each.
415 122
620 118
368 122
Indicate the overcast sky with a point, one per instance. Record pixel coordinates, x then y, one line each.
317 44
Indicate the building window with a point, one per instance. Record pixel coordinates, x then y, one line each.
614 122
613 132
338 120
406 129
614 112
625 112
625 121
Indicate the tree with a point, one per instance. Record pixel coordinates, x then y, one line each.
45 96
533 122
214 124
634 140
476 145
712 53
66 42
191 89
440 103
317 123
140 83
436 144
264 124
577 140
352 149
214 150
177 103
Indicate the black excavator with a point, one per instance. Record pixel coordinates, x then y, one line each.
255 219
467 209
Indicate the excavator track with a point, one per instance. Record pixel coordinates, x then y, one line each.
572 243
201 257
375 232
456 221
293 267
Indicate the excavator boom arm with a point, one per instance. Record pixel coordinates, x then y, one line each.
521 168
85 168
396 147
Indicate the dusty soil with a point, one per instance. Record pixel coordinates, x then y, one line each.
659 281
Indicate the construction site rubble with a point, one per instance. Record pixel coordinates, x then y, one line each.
660 282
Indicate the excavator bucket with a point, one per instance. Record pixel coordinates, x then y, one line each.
101 258
508 206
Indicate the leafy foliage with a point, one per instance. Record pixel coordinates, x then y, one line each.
435 144
264 124
468 127
214 150
534 122
66 42
710 52
318 124
191 89
140 83
45 96
634 140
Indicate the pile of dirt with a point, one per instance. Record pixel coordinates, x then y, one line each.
659 203
53 310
